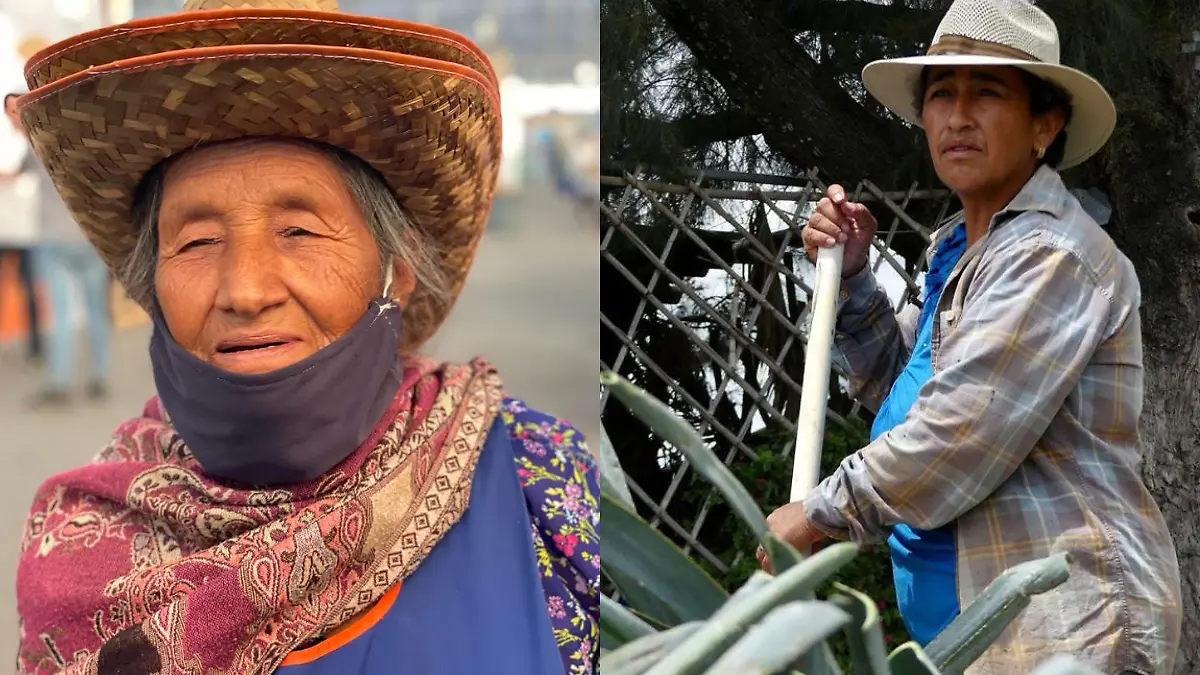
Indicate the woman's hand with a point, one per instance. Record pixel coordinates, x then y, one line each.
837 220
790 524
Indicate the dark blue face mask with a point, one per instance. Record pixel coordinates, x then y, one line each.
290 425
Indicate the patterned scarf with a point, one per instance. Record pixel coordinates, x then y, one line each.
139 563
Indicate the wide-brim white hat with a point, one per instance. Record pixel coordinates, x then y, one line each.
1000 33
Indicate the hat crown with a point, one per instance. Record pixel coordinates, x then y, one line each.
202 5
1014 24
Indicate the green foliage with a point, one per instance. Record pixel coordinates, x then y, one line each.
768 479
674 620
641 555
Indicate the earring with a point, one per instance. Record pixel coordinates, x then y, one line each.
1041 153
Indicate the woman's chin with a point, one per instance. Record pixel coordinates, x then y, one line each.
262 359
963 180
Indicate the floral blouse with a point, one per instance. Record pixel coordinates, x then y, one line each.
561 483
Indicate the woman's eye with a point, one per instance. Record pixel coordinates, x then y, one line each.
196 243
939 93
988 92
295 232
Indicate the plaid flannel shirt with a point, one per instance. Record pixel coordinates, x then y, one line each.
1026 435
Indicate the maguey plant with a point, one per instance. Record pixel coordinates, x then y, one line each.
672 618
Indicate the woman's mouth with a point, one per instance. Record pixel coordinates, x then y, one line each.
959 149
255 354
233 349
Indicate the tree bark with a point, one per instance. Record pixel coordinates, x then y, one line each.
1151 172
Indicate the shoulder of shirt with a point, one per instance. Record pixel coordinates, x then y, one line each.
530 428
1066 226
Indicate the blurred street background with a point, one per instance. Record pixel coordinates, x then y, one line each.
530 304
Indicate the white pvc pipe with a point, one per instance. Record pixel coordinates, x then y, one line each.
814 393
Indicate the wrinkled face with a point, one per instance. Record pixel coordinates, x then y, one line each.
980 130
264 256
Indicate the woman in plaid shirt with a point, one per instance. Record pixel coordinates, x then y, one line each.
1007 407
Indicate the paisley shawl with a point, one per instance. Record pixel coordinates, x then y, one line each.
139 561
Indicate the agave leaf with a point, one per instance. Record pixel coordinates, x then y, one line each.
651 619
620 625
654 623
825 664
653 575
612 476
784 634
1064 664
781 554
666 424
647 605
910 659
982 622
753 585
864 635
638 656
707 644
819 661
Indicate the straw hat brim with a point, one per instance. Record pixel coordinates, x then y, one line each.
430 126
237 27
894 82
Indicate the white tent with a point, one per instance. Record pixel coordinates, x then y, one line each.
522 100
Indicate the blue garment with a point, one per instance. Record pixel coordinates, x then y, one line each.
923 561
474 605
61 266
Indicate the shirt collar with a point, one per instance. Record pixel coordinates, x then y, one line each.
1044 192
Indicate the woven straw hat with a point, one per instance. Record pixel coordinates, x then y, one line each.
420 104
1000 33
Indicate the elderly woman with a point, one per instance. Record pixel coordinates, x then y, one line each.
296 196
1007 409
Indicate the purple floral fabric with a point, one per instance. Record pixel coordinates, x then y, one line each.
561 483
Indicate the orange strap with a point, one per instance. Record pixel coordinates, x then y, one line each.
343 635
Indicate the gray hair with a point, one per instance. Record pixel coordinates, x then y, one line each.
396 234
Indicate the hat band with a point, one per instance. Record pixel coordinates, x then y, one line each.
958 44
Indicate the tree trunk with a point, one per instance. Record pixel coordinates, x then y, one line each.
1151 172
1153 227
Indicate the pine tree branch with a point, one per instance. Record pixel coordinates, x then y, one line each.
805 115
692 131
855 17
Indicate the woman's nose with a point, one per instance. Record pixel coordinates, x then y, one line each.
250 278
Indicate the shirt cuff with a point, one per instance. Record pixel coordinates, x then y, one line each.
823 516
859 286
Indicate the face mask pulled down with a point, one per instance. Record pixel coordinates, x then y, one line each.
290 425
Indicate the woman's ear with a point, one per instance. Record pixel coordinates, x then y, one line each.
1047 127
403 282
